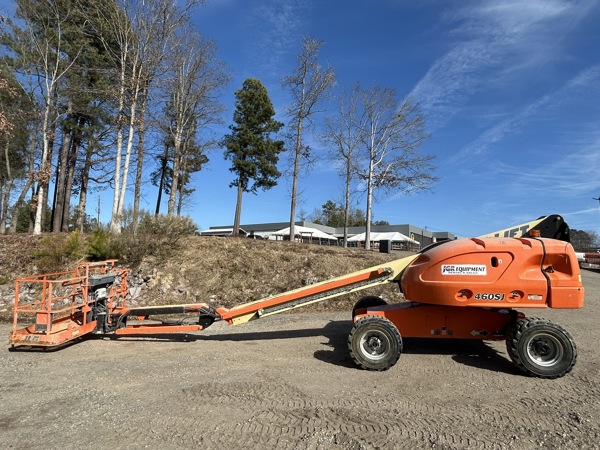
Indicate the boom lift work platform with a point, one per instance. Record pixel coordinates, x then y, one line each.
461 289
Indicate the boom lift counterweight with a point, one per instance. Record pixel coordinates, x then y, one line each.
462 289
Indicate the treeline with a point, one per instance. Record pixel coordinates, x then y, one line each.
96 93
333 214
87 84
584 241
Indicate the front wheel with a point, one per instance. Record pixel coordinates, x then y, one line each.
541 348
375 343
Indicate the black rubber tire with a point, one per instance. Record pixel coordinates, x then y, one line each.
374 343
367 302
541 348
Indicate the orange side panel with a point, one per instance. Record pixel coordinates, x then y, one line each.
566 297
432 321
496 273
562 268
63 330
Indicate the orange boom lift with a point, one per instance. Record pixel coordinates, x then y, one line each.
461 289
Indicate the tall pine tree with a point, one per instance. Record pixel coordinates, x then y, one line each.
254 155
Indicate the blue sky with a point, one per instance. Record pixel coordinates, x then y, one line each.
511 91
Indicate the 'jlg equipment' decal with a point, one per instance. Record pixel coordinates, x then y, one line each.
464 269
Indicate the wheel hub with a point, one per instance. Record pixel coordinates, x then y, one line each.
374 343
542 349
545 350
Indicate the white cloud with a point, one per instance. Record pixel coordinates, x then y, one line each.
565 175
506 20
492 40
278 31
587 80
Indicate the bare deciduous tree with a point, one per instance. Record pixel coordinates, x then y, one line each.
391 133
167 30
343 132
308 85
144 32
43 39
15 116
197 76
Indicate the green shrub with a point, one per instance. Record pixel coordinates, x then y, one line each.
168 230
102 245
59 252
155 236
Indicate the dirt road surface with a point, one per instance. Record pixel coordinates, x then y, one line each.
287 382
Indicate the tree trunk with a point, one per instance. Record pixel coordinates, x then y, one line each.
347 199
5 200
5 191
43 175
295 176
85 176
137 191
238 211
33 207
28 184
2 209
17 205
163 174
61 178
183 171
115 220
70 175
369 205
180 200
180 190
128 151
176 169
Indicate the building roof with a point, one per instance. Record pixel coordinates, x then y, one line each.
305 232
393 236
220 232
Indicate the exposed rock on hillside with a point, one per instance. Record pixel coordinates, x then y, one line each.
219 271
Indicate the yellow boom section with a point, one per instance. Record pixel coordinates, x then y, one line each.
552 226
318 292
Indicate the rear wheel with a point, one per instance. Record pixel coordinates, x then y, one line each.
374 343
368 302
541 348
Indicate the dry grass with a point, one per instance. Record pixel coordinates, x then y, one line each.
17 256
219 271
227 272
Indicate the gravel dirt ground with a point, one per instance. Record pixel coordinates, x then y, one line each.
288 382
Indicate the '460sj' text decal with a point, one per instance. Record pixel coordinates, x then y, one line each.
489 296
